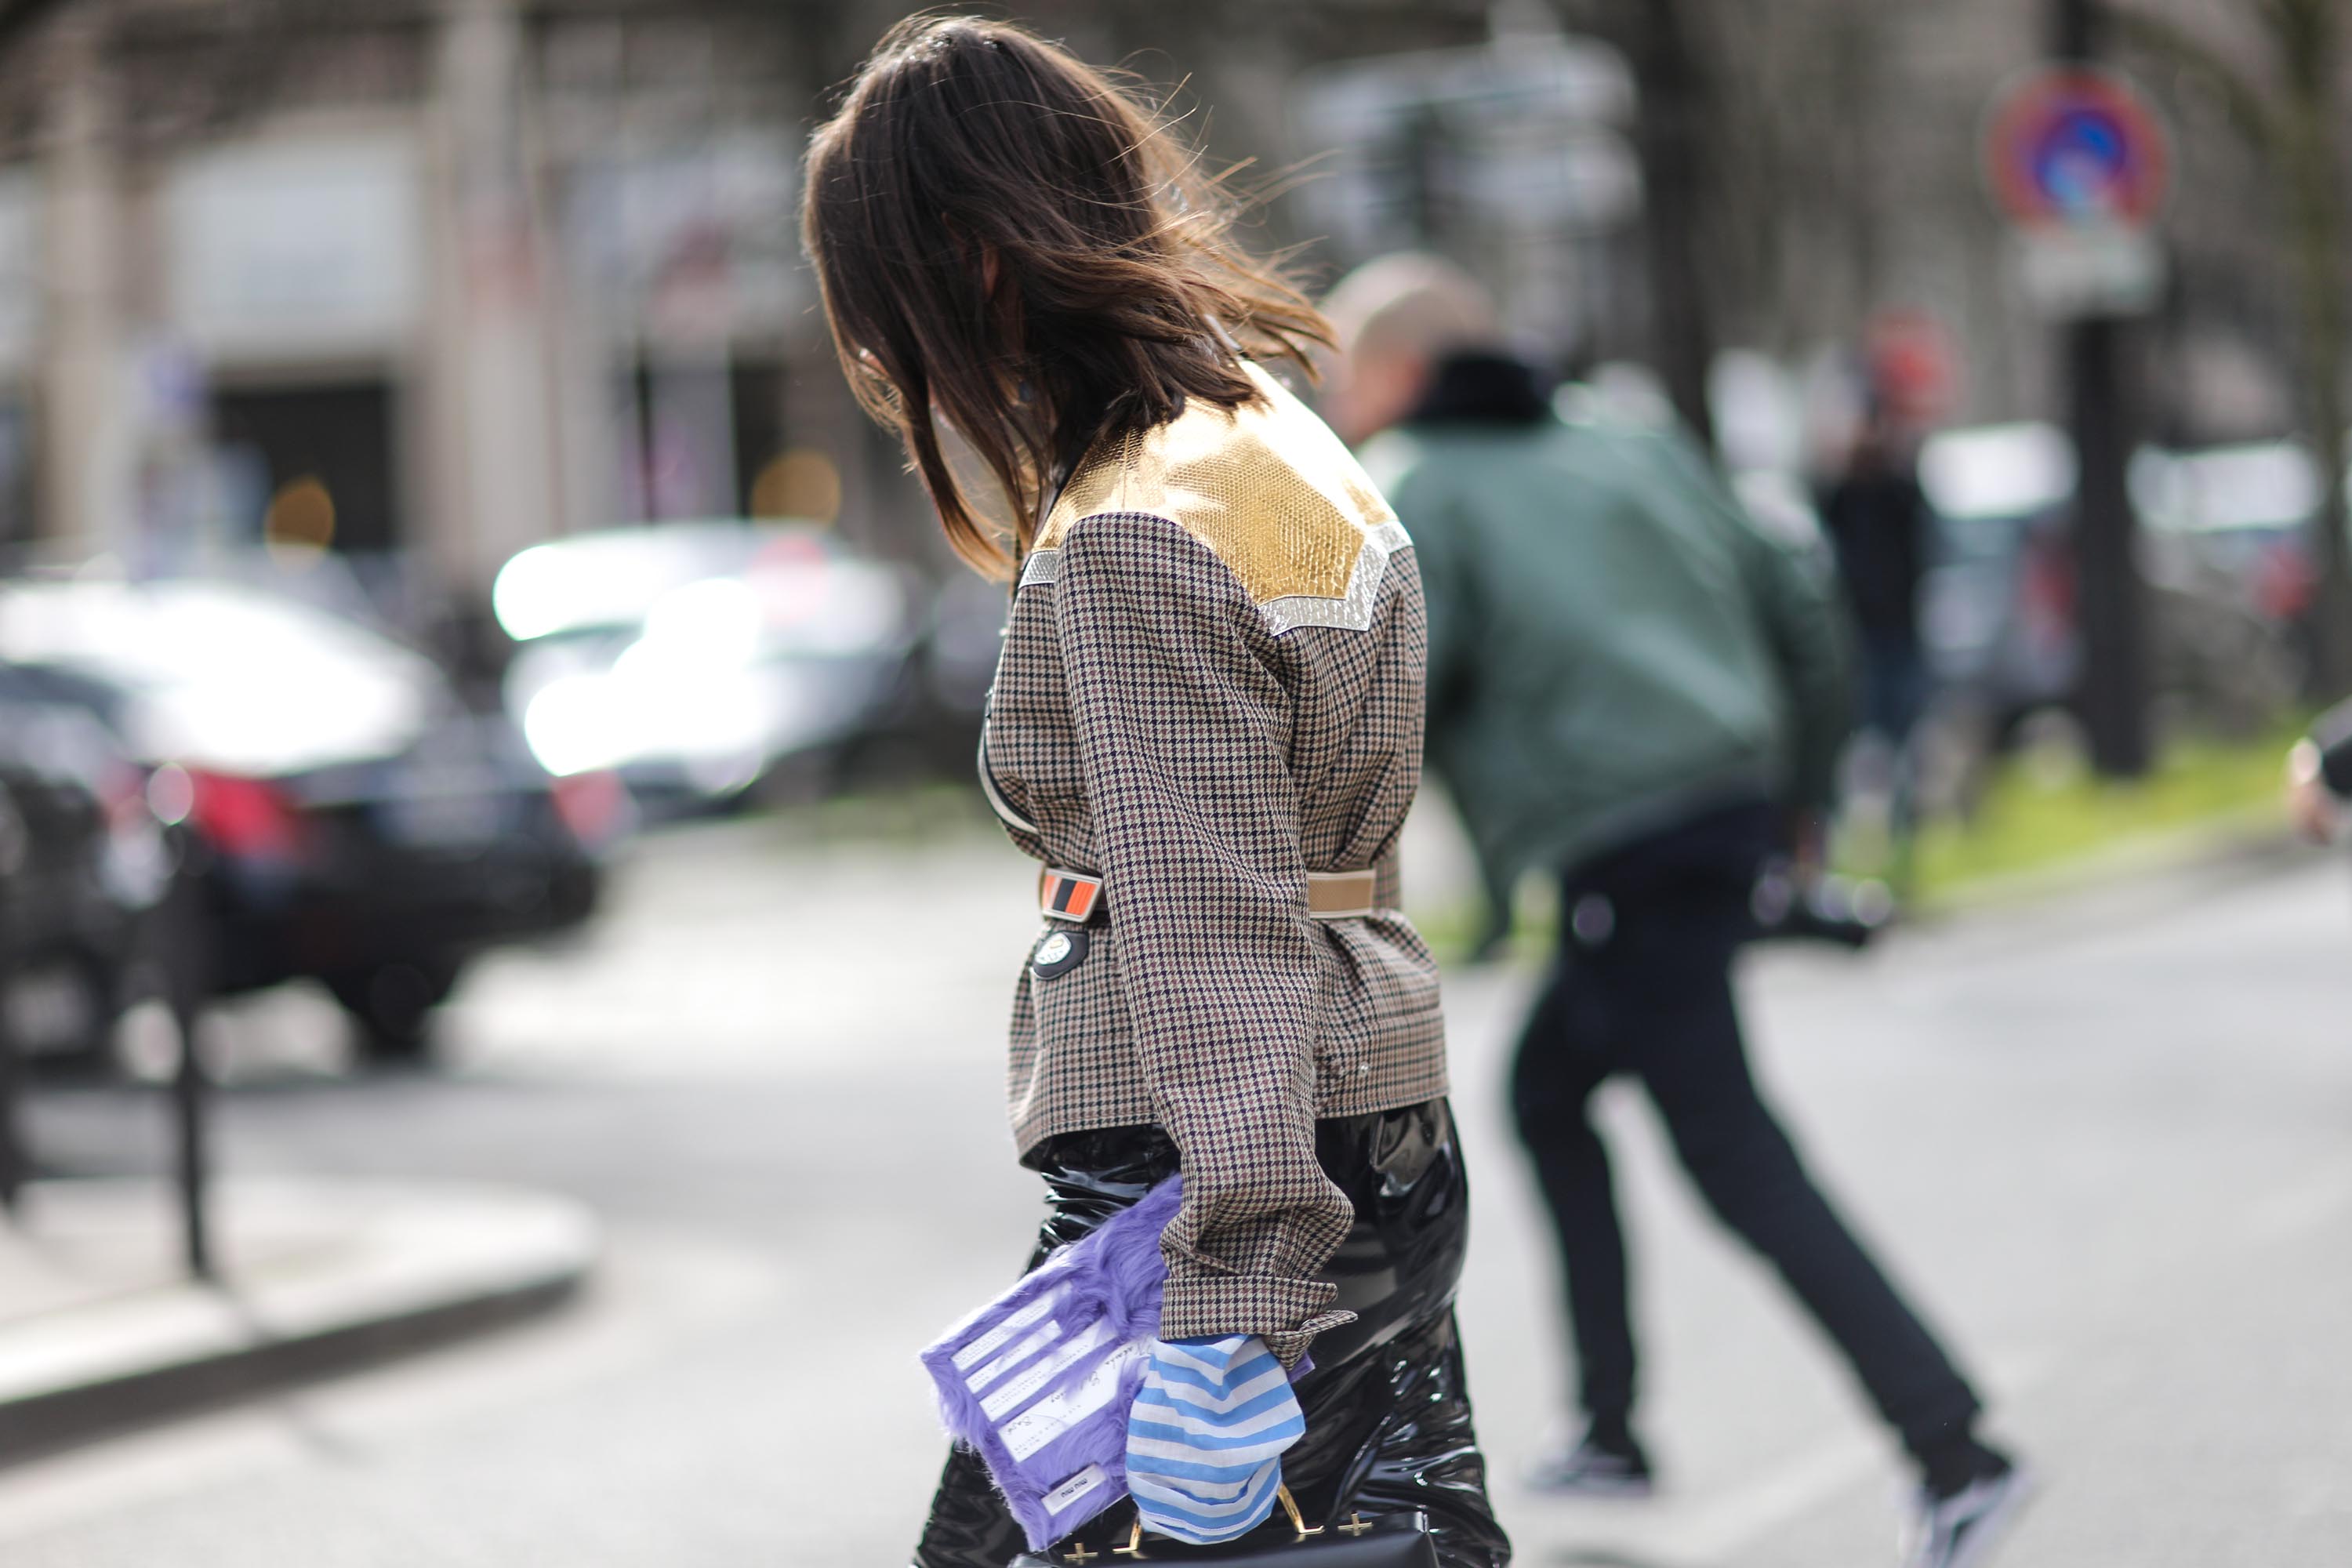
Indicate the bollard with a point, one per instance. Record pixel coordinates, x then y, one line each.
12 1063
188 935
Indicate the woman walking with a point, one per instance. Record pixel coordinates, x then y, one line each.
1206 729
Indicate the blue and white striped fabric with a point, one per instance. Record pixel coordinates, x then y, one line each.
1206 1436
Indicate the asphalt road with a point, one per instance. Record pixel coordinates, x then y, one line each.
2106 1142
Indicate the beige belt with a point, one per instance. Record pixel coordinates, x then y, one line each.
1338 895
1077 896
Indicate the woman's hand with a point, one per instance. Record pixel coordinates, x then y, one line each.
2309 804
1206 1436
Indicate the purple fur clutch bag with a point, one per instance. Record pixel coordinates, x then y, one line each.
1039 1380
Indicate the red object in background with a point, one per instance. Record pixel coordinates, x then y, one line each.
2047 595
124 793
593 805
1913 367
2285 581
247 818
790 576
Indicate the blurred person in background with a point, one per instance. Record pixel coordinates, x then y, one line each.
1206 725
1633 688
1878 522
2319 775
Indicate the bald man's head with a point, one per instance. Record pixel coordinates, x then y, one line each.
1396 318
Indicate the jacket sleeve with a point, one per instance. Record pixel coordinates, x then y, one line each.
1445 533
1183 721
1442 553
1795 593
2333 735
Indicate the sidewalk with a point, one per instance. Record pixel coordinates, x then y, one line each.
100 1327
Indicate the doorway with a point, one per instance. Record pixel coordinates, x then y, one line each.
333 440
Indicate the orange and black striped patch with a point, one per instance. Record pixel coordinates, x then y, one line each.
1068 895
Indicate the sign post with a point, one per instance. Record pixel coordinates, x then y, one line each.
2081 165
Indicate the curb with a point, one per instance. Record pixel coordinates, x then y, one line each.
433 1265
2229 847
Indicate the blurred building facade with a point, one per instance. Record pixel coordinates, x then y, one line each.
434 279
442 278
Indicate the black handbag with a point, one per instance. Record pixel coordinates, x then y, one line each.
1387 1541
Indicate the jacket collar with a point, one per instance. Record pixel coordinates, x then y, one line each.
1483 387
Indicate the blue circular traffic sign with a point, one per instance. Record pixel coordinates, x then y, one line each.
2071 144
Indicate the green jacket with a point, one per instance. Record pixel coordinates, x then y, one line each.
1613 643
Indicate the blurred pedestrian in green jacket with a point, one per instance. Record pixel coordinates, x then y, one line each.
1614 646
1633 688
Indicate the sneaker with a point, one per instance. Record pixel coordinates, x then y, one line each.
1962 1530
1589 1470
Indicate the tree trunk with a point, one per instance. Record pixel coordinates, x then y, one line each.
1669 132
2104 377
2313 174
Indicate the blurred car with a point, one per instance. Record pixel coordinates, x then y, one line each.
83 869
2226 545
2238 514
966 634
355 824
2222 546
1997 609
695 658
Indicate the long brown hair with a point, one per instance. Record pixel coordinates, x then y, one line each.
1010 241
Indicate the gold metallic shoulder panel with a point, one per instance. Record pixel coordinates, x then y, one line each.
1268 488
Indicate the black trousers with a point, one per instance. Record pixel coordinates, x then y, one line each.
1387 1405
1642 986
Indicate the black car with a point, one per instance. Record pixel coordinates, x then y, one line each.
351 822
83 871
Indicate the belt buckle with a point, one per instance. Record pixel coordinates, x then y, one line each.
1068 895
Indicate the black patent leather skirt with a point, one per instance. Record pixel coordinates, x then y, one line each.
1388 1410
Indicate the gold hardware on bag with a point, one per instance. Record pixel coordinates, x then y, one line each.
1290 1506
1356 1524
1082 1555
1134 1547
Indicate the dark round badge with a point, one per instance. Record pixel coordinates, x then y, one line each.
1059 952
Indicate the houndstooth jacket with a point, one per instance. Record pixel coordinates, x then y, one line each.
1211 686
